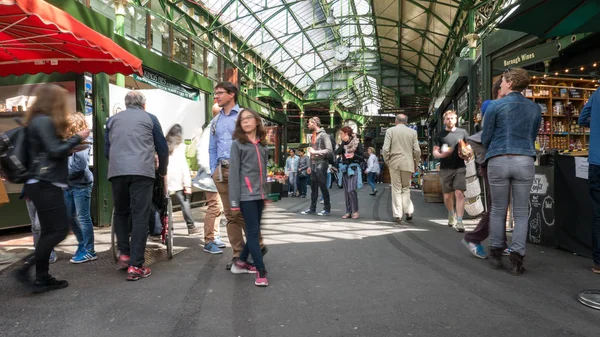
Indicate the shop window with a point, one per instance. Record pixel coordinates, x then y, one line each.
212 61
160 36
230 73
181 49
198 58
135 24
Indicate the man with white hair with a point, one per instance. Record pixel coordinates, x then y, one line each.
401 153
132 138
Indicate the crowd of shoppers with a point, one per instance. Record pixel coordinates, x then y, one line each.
58 191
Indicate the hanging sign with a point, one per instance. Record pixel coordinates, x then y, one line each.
528 56
161 82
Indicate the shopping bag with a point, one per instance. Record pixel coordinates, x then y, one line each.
3 194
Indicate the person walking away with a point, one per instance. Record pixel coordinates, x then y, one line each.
291 170
179 181
353 154
452 169
590 117
214 206
222 128
510 127
320 151
303 164
78 196
372 170
401 153
47 124
472 240
247 185
134 130
36 229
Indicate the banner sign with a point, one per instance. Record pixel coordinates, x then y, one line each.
159 81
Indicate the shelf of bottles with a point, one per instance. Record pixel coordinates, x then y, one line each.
561 100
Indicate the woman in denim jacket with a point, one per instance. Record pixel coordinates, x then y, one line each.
353 152
510 128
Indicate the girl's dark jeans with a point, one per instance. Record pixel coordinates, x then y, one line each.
252 213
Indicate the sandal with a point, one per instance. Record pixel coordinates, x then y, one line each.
346 216
355 215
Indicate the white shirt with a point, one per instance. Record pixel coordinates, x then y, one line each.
178 174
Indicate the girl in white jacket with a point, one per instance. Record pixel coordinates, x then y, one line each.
179 180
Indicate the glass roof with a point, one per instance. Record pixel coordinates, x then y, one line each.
298 38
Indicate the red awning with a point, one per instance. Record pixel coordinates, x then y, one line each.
36 37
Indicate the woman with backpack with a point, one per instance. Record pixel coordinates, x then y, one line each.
47 127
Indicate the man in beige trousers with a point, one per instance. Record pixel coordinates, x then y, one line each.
401 153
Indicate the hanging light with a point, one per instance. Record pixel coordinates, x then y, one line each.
582 68
567 70
555 74
595 64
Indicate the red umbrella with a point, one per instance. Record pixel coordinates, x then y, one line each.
36 37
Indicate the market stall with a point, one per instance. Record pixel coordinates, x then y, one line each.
46 42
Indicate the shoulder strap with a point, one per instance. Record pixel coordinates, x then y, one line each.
213 126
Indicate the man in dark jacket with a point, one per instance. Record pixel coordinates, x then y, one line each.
320 152
131 140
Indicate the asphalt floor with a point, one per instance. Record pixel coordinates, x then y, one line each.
327 277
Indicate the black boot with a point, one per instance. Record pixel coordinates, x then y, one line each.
496 258
516 263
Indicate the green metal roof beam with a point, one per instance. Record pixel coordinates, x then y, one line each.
276 40
408 47
428 20
442 21
306 36
218 16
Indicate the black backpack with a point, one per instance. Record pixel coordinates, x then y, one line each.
14 155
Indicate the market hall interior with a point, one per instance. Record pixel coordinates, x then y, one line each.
328 276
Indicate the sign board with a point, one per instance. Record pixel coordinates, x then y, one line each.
581 167
161 82
527 57
386 111
541 217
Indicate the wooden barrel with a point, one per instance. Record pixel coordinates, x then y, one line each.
432 187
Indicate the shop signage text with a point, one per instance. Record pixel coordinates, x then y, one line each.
159 81
528 56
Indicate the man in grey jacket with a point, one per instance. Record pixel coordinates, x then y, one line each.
131 140
320 152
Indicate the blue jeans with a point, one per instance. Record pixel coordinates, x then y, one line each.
371 176
252 213
510 174
77 201
594 181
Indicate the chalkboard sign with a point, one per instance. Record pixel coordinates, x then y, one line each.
541 207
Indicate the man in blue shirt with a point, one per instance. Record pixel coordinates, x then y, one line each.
221 130
590 116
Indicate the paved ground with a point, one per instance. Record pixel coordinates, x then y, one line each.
329 277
